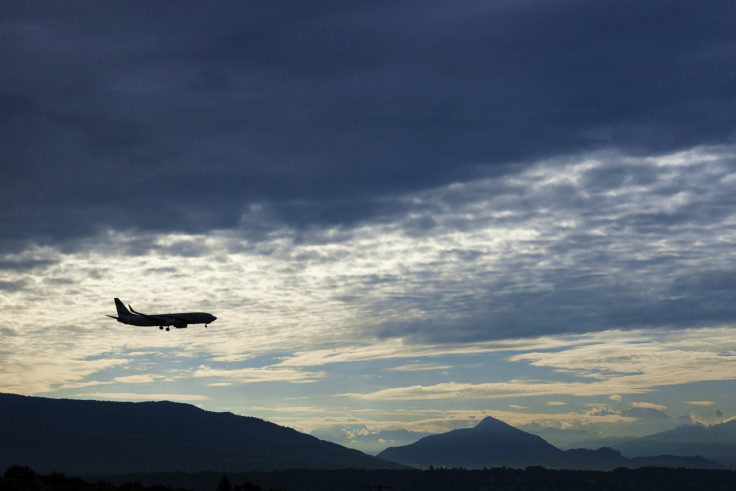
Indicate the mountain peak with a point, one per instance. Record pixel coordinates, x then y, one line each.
492 424
491 443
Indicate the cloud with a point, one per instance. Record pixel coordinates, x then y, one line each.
193 105
567 245
6 331
392 348
138 379
648 405
611 364
701 403
512 388
416 367
256 375
667 359
25 373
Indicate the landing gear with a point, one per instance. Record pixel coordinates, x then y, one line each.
167 328
160 327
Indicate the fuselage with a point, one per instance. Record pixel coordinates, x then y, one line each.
167 319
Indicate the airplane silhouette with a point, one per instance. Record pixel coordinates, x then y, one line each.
179 321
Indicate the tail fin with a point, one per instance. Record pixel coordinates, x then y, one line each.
121 308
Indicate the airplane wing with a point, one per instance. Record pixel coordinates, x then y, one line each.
164 320
158 319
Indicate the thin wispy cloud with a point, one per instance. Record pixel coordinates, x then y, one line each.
255 375
512 388
417 367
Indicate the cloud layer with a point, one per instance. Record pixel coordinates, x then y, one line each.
522 209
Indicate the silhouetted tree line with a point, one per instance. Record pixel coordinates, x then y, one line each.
23 478
19 478
506 479
225 485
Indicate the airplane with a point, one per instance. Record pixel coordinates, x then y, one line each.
179 321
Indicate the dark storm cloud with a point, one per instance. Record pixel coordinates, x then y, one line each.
179 117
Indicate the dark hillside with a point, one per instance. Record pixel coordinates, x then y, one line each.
94 437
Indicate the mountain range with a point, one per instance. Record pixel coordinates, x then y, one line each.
97 437
493 443
101 437
716 442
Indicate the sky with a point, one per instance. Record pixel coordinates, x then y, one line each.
406 216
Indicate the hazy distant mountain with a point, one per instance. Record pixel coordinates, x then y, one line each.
606 459
596 435
717 443
369 441
493 443
91 437
572 438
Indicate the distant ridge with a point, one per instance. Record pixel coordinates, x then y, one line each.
716 442
493 443
97 437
